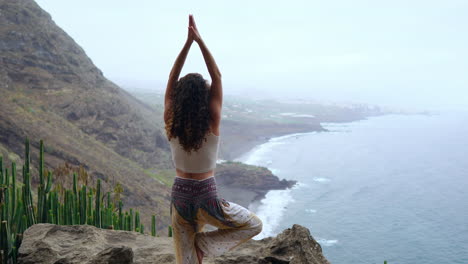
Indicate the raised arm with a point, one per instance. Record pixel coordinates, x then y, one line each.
216 92
175 72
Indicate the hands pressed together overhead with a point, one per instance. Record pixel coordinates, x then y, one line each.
193 34
216 90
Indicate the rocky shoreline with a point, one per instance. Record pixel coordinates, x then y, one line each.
244 184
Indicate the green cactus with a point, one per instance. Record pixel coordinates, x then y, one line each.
5 243
153 225
137 220
27 158
97 221
169 231
121 217
41 162
89 208
1 170
55 205
131 220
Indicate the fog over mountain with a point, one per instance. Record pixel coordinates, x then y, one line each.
398 53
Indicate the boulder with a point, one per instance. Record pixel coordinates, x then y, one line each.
48 243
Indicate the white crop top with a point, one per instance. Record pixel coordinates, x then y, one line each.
202 160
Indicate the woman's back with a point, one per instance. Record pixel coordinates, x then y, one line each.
200 161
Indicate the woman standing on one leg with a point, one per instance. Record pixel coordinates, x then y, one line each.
192 114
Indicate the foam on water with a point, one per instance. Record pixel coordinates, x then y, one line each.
321 179
296 115
283 138
271 211
274 171
311 210
300 185
257 154
327 242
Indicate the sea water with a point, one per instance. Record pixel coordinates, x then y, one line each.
392 188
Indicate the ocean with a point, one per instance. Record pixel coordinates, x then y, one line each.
392 187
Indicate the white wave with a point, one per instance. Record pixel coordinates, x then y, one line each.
271 211
300 185
311 211
320 179
327 242
296 115
274 171
259 155
282 138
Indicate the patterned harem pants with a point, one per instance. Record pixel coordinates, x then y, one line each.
194 204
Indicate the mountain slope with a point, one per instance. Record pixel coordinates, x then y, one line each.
51 90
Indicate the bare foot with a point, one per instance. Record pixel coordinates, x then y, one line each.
199 254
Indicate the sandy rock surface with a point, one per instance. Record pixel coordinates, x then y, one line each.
48 243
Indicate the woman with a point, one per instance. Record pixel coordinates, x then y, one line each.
192 113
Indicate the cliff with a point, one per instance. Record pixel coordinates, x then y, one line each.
46 243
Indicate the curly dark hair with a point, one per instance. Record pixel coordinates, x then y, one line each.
189 115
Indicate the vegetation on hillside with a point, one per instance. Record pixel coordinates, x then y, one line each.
80 205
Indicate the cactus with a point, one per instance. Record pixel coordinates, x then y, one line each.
121 217
97 220
1 170
169 231
153 225
89 207
5 243
126 222
41 162
13 187
83 205
137 220
27 158
131 220
55 205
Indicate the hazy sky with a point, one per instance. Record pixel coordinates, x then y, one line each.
399 52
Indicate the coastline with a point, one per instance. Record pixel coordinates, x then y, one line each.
252 197
261 202
240 138
253 189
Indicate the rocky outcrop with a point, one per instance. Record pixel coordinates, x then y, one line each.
47 243
244 184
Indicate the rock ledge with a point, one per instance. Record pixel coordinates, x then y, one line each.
48 243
